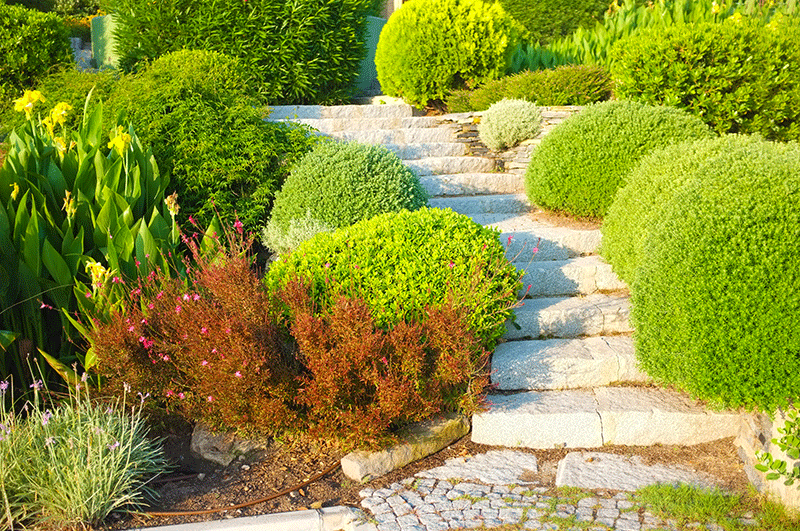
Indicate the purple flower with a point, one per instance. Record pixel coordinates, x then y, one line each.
3 387
46 416
114 446
36 385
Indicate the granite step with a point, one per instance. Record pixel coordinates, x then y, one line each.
295 112
553 364
478 206
472 184
399 136
332 125
590 418
421 150
450 165
571 317
582 275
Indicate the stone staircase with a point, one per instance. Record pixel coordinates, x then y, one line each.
566 374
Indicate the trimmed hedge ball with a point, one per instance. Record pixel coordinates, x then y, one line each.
401 262
581 163
717 302
508 122
651 183
340 183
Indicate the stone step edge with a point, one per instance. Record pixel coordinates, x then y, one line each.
592 418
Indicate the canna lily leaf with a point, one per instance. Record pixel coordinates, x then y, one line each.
70 376
31 245
56 265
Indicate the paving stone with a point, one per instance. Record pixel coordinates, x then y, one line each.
394 110
389 526
512 515
398 136
496 467
472 183
595 470
422 150
607 513
582 275
553 364
571 317
479 205
451 165
540 420
646 416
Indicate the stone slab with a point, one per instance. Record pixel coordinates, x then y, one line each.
221 447
428 149
450 165
472 184
398 136
540 420
581 275
645 416
570 317
422 440
554 364
393 110
480 205
332 125
496 467
597 470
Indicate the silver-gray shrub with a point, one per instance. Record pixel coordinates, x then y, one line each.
508 122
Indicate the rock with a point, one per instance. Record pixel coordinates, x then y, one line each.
221 448
422 440
496 467
596 470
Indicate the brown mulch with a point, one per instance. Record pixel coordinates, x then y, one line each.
282 466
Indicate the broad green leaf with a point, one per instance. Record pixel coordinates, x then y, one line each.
211 238
56 265
69 375
31 245
6 338
145 246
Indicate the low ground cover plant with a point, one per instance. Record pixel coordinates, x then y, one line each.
32 44
508 122
339 183
565 85
714 301
581 163
71 464
650 184
739 76
403 262
430 47
303 52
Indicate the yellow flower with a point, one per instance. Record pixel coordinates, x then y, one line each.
69 205
48 123
172 204
98 273
736 17
27 101
120 141
61 145
59 113
715 8
14 191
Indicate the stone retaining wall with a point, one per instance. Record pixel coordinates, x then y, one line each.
513 160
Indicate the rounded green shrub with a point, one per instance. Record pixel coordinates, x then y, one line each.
717 301
739 77
429 47
340 183
565 85
299 52
401 262
581 163
651 183
509 122
31 44
203 120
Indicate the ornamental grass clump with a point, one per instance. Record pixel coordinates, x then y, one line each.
404 262
339 183
581 163
716 302
652 182
70 465
509 122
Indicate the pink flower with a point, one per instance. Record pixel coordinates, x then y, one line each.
385 361
450 265
535 250
238 374
151 305
327 264
136 291
204 363
165 358
196 297
170 393
238 226
186 296
204 330
137 262
144 321
88 294
181 396
178 309
510 238
213 350
159 295
131 328
192 221
116 280
210 398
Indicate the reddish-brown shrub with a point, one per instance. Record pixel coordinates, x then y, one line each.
364 382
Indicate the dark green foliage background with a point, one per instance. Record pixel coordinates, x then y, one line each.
300 52
551 19
738 77
716 303
565 85
340 183
581 163
31 45
430 47
401 262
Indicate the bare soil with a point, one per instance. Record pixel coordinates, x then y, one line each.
198 486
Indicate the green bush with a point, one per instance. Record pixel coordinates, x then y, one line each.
401 262
307 51
31 44
739 77
340 183
430 47
716 303
565 85
199 114
545 21
509 122
651 183
581 163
